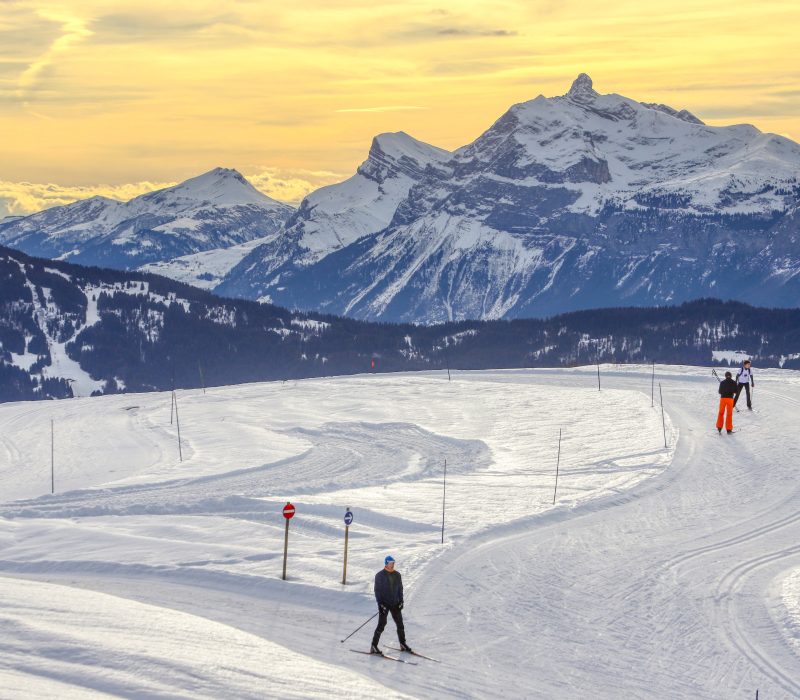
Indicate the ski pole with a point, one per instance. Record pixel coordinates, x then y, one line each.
355 630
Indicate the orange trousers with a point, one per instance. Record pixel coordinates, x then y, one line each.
725 406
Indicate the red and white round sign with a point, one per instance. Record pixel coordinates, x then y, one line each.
288 511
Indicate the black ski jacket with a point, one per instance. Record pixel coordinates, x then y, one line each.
388 588
727 388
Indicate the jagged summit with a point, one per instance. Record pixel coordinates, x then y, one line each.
398 144
582 89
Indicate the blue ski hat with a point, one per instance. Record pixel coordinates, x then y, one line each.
388 559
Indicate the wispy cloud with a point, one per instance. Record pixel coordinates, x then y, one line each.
469 31
23 198
387 108
291 185
73 31
438 30
141 26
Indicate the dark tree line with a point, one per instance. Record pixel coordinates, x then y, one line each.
153 332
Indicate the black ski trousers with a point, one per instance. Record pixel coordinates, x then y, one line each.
397 616
739 388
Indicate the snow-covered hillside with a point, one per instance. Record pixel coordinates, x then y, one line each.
215 210
208 268
657 573
564 203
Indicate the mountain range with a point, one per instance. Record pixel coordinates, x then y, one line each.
572 202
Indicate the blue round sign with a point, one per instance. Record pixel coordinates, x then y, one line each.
348 518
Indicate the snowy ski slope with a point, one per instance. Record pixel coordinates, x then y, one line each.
659 572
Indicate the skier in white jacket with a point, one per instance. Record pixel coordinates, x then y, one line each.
744 380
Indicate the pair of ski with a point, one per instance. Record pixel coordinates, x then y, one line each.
390 657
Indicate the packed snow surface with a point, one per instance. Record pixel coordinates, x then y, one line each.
659 572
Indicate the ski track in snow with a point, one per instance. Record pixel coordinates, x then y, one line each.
641 582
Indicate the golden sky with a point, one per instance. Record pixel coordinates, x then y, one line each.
118 97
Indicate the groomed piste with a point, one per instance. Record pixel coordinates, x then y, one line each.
659 571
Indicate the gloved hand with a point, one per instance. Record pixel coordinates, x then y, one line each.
382 609
400 605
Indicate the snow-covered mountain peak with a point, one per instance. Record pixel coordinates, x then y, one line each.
399 145
392 154
220 187
582 90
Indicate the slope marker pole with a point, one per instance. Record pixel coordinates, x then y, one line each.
653 386
346 539
178 423
663 424
202 378
444 495
558 462
52 457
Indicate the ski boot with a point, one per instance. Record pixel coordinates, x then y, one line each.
374 650
405 647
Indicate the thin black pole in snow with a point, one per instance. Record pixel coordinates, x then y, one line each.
178 423
52 458
202 379
598 374
285 545
653 386
356 630
444 495
558 462
663 424
346 538
172 406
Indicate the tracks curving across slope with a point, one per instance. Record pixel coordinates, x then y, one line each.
664 593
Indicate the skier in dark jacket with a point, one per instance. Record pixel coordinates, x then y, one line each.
727 392
389 594
744 380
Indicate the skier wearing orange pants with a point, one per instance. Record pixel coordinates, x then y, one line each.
727 392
